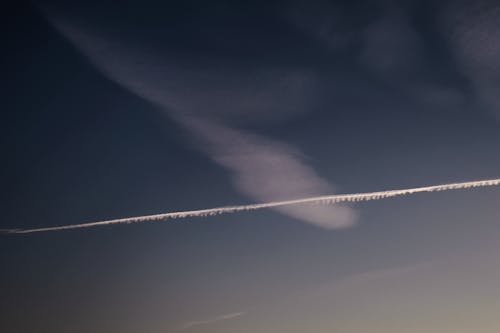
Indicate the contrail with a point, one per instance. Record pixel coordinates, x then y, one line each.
325 199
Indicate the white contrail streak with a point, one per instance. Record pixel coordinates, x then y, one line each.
326 199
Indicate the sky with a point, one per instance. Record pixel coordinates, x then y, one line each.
125 109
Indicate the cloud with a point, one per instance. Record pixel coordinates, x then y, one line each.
212 85
384 41
391 46
267 170
325 21
355 281
472 29
212 320
205 99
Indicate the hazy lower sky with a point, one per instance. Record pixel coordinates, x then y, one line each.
132 108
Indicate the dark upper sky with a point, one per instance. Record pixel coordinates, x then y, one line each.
138 107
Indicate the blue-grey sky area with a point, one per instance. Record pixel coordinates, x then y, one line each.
124 109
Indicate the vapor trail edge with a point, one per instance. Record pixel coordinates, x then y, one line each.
325 199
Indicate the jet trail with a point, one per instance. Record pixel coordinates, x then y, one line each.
326 199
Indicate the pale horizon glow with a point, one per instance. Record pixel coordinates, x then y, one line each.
326 199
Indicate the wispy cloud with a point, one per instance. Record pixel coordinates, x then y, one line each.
387 43
267 170
472 29
213 320
204 100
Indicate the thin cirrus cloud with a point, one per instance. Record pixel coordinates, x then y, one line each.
205 100
357 280
385 43
213 320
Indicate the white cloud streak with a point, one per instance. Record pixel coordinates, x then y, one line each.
212 320
326 199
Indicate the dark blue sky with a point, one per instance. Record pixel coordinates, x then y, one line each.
114 110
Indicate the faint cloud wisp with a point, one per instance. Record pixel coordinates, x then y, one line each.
213 320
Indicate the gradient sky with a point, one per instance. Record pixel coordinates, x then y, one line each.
115 110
